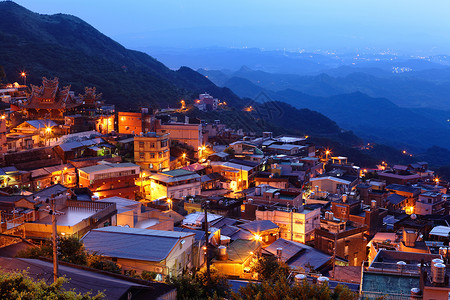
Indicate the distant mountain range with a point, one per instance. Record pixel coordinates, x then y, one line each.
375 119
69 48
425 88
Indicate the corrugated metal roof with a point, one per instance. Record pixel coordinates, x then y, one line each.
102 167
258 226
299 255
133 243
38 124
440 231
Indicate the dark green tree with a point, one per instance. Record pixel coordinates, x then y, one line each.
270 269
20 286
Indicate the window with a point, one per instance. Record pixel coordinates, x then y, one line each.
152 145
160 154
141 144
163 143
150 166
152 155
141 155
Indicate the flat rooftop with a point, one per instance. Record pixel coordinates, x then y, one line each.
71 216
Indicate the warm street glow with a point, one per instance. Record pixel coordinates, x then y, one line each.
257 237
48 130
23 74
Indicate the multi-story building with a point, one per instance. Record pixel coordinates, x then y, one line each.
182 133
295 224
108 180
151 151
129 122
430 203
175 184
342 239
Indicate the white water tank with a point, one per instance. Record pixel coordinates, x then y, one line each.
438 273
258 191
223 255
300 277
279 253
331 216
416 293
437 261
373 204
322 280
401 266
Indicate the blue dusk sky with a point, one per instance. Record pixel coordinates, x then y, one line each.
408 26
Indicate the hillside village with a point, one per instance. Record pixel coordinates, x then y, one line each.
156 191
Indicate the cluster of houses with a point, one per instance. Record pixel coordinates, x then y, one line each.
153 193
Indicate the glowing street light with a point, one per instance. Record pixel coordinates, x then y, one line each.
257 237
24 76
169 201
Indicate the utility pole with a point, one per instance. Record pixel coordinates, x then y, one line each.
54 238
208 271
334 255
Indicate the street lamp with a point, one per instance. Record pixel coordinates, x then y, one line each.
169 201
24 76
48 131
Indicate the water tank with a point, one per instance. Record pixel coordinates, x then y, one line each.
373 204
322 280
223 254
443 251
250 200
331 216
416 293
258 191
401 266
409 237
438 273
327 215
300 277
437 261
279 252
344 198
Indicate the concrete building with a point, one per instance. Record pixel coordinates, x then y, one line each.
151 151
182 133
108 180
295 224
341 237
333 185
430 203
175 184
129 122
